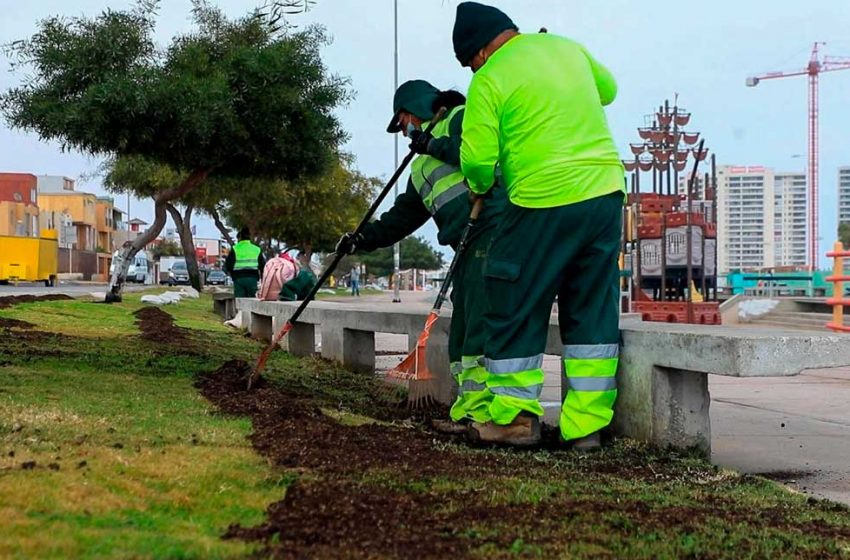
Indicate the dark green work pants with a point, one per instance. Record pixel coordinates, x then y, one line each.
537 254
467 333
245 286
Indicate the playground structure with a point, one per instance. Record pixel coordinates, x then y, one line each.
670 232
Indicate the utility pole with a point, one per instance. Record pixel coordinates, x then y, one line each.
396 247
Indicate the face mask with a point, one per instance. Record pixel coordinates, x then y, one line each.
410 128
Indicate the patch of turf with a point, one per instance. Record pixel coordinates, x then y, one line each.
124 457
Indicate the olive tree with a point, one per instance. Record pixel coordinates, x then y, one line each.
245 97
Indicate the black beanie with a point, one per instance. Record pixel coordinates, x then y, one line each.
475 26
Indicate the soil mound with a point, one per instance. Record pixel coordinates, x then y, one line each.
8 301
315 441
14 324
158 326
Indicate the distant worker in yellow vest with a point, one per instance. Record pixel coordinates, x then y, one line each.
245 265
437 190
535 109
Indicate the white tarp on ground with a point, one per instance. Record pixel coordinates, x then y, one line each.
752 308
167 298
236 322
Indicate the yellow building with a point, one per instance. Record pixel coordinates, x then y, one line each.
82 208
93 222
18 219
108 221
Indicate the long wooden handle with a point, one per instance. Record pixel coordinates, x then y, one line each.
461 248
368 216
477 206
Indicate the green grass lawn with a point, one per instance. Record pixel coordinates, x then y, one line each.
108 451
129 459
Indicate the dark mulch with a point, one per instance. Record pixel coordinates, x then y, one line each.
158 327
14 324
21 343
400 491
8 301
317 441
341 519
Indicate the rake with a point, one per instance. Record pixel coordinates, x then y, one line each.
284 330
422 383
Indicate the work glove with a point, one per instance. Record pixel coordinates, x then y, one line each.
419 141
348 243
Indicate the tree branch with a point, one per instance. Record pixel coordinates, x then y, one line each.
175 215
221 227
193 181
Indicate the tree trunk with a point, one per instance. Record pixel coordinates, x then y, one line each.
184 228
129 250
225 233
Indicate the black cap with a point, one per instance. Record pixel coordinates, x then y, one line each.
475 26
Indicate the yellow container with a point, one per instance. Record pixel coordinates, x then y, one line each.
29 259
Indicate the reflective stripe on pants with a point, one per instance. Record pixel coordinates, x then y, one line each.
591 388
473 397
516 384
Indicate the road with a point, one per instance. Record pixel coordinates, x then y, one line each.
72 289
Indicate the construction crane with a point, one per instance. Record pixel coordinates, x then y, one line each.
817 65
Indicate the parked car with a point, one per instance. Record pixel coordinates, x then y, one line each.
178 274
137 271
217 278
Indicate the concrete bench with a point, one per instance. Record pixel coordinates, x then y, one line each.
224 304
663 376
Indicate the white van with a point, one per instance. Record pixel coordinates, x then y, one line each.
139 268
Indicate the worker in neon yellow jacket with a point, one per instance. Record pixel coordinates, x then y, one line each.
535 108
437 190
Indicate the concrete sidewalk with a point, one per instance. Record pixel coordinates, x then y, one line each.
72 289
794 429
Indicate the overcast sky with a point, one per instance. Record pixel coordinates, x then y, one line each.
701 50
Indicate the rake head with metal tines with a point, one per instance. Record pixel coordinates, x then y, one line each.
422 386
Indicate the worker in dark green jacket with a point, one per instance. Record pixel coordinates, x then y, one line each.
298 288
535 109
436 189
245 264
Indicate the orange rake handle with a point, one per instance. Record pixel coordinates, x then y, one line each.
426 331
414 366
264 356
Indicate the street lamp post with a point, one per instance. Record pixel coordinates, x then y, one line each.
396 248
